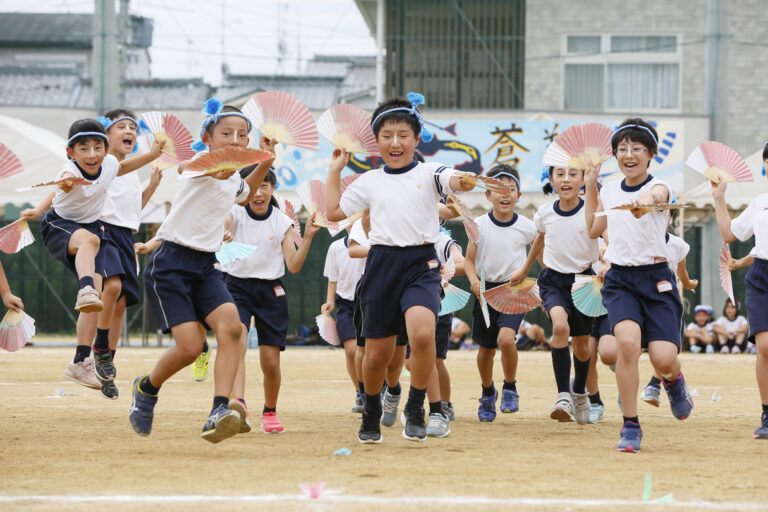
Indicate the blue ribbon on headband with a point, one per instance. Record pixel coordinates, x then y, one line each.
415 99
544 178
87 134
213 108
617 130
508 175
107 123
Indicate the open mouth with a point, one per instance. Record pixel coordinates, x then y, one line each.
566 188
128 140
395 154
505 202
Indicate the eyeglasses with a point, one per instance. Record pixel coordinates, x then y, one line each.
626 151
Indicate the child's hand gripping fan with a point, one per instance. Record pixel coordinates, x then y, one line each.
489 184
281 116
513 299
9 163
224 160
234 251
483 303
473 233
638 210
725 272
586 295
178 140
717 162
328 331
66 184
348 127
287 208
15 236
580 147
16 329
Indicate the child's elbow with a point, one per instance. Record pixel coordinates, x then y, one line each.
336 215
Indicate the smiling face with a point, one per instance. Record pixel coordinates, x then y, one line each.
230 131
701 318
262 197
567 182
88 153
504 203
397 142
122 138
634 158
730 311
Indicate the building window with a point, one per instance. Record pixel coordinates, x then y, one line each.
611 73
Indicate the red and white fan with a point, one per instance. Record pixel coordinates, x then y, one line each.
312 195
328 331
447 271
71 180
486 183
348 127
178 140
466 217
9 163
579 146
725 272
16 329
15 236
717 162
224 159
514 299
287 208
281 116
347 181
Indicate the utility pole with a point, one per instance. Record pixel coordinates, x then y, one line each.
718 39
380 47
105 59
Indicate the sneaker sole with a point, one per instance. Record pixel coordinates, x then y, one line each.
226 427
75 379
418 439
759 436
245 426
439 436
628 449
652 401
562 416
275 430
90 308
485 420
510 411
370 441
117 395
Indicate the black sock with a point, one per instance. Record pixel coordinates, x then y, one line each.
147 387
218 401
361 387
394 390
101 345
561 363
654 382
765 408
490 390
372 405
206 348
81 353
595 399
114 351
435 407
268 409
580 372
416 397
633 419
86 281
510 385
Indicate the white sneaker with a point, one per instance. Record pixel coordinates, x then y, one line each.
563 409
725 350
581 408
695 349
735 350
88 300
83 373
710 349
438 426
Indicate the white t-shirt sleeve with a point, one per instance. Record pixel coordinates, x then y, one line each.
742 226
357 233
529 231
538 221
355 197
331 270
283 224
242 192
442 177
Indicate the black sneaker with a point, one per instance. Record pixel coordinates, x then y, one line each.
370 429
415 428
105 370
109 390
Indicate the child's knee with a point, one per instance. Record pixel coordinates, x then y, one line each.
506 340
112 287
560 329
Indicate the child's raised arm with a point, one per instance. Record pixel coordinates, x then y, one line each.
595 226
339 160
10 300
133 163
254 179
721 212
294 258
154 182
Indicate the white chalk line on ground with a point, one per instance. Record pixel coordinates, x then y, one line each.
382 500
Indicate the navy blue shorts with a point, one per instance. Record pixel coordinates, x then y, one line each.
601 327
647 295
56 232
555 290
183 285
756 283
395 279
442 337
357 317
487 337
121 261
264 300
344 318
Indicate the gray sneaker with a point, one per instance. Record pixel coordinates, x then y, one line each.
109 390
389 405
448 410
105 369
359 401
563 409
438 426
581 408
415 429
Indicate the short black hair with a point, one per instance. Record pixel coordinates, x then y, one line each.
418 156
400 116
270 178
120 112
225 109
636 134
500 168
765 151
548 188
86 125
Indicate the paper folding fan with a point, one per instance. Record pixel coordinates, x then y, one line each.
224 159
348 127
656 207
579 146
347 181
483 303
447 271
9 163
178 140
586 296
473 233
514 299
15 330
233 251
455 299
725 272
490 184
287 208
717 162
72 180
327 326
281 116
15 236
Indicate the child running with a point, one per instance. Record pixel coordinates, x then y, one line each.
504 236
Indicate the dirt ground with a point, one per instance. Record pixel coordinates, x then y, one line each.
66 447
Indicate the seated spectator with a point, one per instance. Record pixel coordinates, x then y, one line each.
731 329
459 331
699 333
531 337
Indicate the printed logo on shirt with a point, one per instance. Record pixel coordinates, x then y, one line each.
432 264
664 286
279 291
418 186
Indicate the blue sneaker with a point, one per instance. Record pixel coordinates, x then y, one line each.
680 400
651 395
221 424
596 412
487 409
509 401
142 409
762 432
629 438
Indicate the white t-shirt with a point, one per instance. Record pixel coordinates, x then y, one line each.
198 213
503 245
85 203
567 246
677 250
357 234
634 242
267 233
342 269
123 205
403 202
693 326
754 221
731 325
443 247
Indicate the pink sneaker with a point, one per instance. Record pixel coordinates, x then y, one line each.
725 350
270 423
88 300
735 350
83 373
242 410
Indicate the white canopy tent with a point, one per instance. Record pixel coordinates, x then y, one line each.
738 195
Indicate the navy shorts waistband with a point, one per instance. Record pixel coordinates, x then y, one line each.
119 228
412 249
188 251
760 262
586 271
255 281
491 284
654 266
